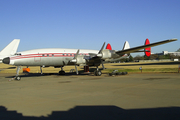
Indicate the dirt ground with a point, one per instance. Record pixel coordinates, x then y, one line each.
132 96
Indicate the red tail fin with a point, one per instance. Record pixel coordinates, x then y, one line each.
108 46
147 51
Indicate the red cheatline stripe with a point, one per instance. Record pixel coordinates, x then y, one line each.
45 55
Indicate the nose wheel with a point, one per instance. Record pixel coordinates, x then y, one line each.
18 78
17 73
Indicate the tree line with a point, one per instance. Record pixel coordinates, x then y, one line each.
152 57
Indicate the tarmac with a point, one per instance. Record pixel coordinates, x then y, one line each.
87 97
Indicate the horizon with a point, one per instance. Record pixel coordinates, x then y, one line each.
88 24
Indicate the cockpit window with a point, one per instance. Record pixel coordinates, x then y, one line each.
17 54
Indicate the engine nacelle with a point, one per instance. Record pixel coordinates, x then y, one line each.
106 54
80 59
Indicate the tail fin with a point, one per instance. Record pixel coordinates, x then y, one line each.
108 46
147 51
11 48
126 45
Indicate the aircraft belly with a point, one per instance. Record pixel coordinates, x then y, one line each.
52 61
42 61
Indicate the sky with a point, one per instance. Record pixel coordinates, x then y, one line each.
87 24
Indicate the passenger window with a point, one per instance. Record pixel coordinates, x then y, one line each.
43 55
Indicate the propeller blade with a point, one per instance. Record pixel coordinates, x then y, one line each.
77 53
100 51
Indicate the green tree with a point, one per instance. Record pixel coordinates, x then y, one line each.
153 57
138 57
178 50
131 59
123 60
146 58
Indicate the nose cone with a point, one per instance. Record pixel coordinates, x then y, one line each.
6 60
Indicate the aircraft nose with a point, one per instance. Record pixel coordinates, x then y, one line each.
6 60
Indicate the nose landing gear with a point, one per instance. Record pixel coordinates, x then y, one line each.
17 73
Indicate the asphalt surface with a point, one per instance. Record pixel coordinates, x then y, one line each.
88 97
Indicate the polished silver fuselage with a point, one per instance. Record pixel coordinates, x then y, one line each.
52 57
47 57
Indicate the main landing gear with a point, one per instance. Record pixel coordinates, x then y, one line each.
62 72
97 72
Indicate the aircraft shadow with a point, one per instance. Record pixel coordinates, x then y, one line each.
158 63
99 113
48 74
11 68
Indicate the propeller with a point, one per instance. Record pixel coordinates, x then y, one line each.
75 57
74 60
100 51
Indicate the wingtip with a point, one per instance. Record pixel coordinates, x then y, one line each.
173 39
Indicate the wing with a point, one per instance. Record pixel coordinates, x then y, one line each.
136 49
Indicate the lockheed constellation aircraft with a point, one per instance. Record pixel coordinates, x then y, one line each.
59 57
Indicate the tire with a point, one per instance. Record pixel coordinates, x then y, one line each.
124 73
119 73
18 78
97 73
113 73
62 73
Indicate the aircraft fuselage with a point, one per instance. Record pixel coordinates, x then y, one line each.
51 57
47 57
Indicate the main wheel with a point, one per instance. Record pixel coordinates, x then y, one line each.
97 73
18 78
61 72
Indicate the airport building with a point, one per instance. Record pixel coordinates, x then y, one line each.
172 53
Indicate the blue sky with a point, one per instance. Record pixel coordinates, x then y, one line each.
86 24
